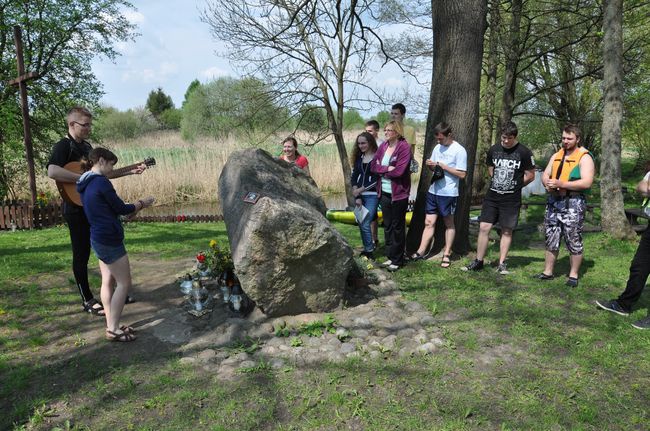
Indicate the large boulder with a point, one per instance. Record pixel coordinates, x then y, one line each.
288 257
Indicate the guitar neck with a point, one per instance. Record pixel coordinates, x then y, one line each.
116 173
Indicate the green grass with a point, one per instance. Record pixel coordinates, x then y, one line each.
518 354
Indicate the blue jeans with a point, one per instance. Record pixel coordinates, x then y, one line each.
370 202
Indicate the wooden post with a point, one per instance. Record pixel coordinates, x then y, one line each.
21 81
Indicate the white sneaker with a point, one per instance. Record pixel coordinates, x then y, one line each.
392 268
386 264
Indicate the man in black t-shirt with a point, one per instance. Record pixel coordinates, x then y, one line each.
74 148
511 166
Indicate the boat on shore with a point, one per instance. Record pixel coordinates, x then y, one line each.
347 217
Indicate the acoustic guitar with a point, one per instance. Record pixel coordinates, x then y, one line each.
68 191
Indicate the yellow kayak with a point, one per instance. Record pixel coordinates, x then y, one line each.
347 217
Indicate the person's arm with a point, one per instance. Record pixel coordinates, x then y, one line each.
529 168
138 169
644 186
403 155
113 200
431 161
453 171
460 165
529 176
375 166
58 173
546 175
489 163
354 177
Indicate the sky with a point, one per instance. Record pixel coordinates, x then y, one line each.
173 49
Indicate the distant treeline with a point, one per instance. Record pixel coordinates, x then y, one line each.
222 107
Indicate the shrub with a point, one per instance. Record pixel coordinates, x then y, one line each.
171 119
116 125
352 120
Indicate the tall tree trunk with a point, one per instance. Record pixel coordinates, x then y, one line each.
513 52
479 183
611 196
458 29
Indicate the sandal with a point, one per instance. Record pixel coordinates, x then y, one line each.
122 337
127 329
89 307
446 261
415 257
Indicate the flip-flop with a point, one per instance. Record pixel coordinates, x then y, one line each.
446 261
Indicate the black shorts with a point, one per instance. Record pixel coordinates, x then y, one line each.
505 212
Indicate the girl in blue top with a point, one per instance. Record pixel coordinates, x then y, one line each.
103 207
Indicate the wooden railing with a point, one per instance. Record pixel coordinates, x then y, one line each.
22 215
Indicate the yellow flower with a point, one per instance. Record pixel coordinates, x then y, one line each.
213 243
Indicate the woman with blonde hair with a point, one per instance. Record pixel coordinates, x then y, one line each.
392 162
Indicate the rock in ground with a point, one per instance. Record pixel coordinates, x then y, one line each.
288 257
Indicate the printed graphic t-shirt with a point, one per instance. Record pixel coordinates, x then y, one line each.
509 166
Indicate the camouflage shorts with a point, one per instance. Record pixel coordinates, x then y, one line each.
565 217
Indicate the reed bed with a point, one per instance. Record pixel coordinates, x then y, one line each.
189 171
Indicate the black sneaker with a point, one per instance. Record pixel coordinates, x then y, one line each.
642 324
475 265
572 282
369 254
613 306
544 277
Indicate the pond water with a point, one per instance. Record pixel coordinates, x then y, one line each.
208 208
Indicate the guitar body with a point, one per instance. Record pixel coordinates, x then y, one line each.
68 191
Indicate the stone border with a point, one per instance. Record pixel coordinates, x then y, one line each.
383 326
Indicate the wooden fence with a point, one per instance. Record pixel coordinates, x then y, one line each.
22 215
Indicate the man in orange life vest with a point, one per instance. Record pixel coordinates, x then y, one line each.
569 174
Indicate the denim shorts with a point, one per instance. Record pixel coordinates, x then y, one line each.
108 253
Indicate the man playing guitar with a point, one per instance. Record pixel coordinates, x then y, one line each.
74 148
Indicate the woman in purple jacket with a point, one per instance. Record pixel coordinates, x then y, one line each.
391 163
103 207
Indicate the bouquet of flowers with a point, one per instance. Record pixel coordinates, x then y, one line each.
215 260
42 200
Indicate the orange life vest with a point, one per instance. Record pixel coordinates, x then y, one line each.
570 168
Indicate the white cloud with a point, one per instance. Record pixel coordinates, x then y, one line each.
213 72
150 75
